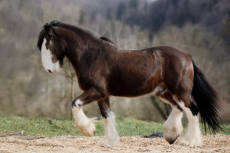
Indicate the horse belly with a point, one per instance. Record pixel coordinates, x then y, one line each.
133 87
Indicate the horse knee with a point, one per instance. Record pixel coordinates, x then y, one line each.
76 103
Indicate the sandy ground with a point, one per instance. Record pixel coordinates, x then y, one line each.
12 144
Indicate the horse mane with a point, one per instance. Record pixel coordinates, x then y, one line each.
108 40
55 23
73 28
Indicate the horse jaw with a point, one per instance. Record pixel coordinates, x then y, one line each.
47 63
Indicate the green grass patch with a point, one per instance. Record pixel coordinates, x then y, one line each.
51 127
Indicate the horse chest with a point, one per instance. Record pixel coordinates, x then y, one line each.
88 79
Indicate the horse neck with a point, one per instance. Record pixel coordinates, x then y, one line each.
80 45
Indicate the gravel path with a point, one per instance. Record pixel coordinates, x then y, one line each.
13 144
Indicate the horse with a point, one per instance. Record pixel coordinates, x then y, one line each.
103 70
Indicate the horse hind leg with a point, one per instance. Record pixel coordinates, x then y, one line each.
111 137
193 136
172 127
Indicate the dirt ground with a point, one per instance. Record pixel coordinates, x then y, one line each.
211 143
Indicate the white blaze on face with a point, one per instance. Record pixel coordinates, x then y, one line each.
46 55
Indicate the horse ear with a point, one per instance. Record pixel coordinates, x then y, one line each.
48 29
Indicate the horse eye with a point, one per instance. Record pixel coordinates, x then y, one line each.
47 43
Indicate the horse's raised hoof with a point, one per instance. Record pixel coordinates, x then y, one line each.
108 142
184 141
88 129
83 123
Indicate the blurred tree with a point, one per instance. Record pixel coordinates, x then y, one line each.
145 8
164 111
82 17
133 4
108 13
70 75
227 31
113 31
225 35
32 92
160 13
121 10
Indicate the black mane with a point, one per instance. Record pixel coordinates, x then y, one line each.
73 28
78 30
55 23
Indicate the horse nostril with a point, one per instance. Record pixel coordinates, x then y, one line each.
49 71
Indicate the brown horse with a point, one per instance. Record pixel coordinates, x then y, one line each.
103 70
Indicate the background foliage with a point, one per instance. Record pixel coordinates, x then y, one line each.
197 27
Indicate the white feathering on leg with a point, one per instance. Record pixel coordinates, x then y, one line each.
111 137
173 126
193 137
82 122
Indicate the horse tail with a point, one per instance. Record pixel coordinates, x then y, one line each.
207 100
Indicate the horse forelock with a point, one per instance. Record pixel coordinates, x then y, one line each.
40 39
42 34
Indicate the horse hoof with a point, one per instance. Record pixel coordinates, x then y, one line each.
88 131
171 135
108 142
171 140
172 130
88 128
188 143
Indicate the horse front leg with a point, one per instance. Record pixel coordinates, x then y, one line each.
82 122
111 137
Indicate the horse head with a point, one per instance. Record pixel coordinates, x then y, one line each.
52 47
